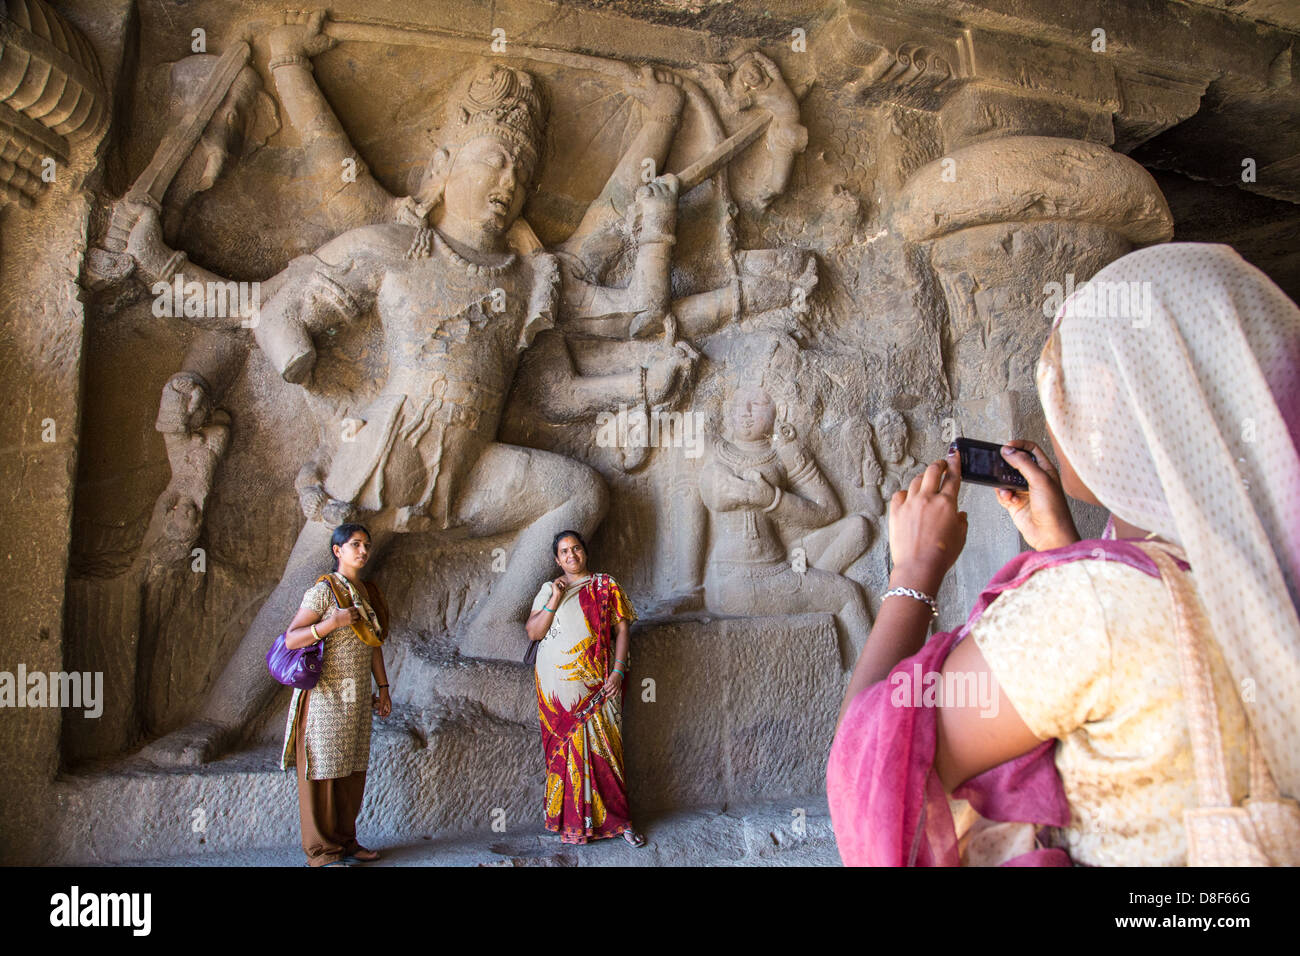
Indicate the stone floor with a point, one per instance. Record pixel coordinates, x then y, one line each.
791 833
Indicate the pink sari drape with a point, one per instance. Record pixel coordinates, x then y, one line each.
887 805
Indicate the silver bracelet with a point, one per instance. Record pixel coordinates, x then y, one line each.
913 593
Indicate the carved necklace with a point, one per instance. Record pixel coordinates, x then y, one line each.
737 457
420 250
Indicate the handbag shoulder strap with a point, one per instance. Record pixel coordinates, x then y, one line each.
341 596
376 598
1199 696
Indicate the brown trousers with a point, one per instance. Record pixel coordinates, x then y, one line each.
327 809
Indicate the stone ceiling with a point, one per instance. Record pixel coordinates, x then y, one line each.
1211 83
1282 13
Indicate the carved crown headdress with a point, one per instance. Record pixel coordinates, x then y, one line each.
504 103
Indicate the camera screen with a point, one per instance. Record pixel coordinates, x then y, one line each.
981 461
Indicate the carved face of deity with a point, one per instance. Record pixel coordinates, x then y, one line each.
891 433
484 191
752 414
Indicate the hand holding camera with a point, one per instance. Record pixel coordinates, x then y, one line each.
1028 487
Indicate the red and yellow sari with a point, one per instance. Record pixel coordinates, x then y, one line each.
582 733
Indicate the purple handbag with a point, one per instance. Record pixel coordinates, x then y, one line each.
298 668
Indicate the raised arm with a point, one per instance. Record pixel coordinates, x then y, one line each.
810 500
354 196
156 263
619 312
661 98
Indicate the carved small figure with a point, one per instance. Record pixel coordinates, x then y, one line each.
896 467
758 491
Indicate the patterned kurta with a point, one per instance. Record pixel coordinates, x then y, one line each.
582 729
1086 652
339 714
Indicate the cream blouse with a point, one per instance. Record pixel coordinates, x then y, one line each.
1086 652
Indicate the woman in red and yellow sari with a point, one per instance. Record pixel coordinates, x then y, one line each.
580 622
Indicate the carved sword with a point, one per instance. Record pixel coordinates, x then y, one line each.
110 262
720 155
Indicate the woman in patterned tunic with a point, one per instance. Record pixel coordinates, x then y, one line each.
581 622
327 735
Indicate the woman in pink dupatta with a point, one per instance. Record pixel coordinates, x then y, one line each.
1184 422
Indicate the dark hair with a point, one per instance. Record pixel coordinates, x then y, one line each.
342 535
555 543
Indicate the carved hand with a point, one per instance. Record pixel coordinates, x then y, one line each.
334 512
144 241
756 489
311 499
216 434
663 374
872 474
790 451
300 35
654 211
747 490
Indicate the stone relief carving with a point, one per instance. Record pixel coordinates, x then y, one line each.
577 237
460 285
895 467
51 96
763 489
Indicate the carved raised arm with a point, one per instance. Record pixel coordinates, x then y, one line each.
316 292
661 97
334 162
563 395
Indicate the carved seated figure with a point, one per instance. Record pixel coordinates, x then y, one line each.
759 491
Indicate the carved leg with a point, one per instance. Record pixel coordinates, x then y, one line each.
835 547
823 591
542 494
245 689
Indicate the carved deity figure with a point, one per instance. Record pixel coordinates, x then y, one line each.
458 300
761 494
896 467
